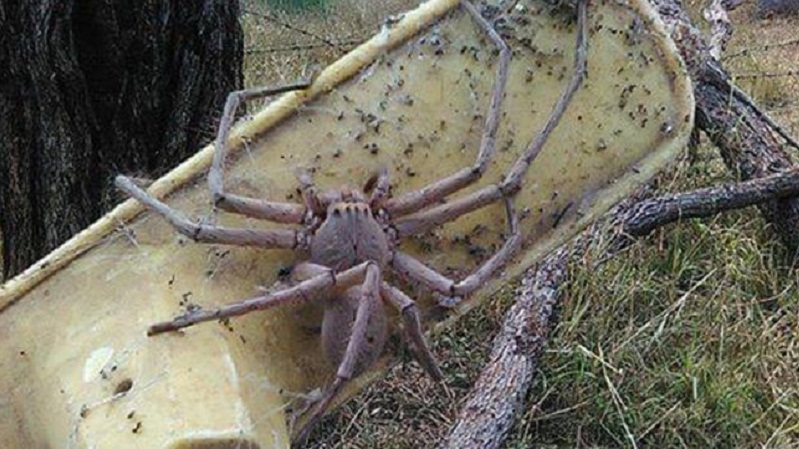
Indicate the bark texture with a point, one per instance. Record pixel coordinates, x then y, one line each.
91 88
768 8
500 392
487 417
740 130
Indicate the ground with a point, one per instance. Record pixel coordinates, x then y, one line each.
688 339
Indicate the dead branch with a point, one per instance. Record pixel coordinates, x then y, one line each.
500 392
743 134
739 128
741 95
720 27
648 215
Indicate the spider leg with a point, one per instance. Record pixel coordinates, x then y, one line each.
268 210
412 328
265 238
411 268
511 184
432 193
425 220
381 189
303 292
310 194
370 295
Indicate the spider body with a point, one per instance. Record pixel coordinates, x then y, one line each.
351 239
350 234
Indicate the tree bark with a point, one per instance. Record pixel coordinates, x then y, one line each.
91 88
741 131
501 390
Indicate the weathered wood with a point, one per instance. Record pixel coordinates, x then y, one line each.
97 87
744 135
733 123
715 14
500 392
769 8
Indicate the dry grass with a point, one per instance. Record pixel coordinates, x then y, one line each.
776 91
322 36
686 340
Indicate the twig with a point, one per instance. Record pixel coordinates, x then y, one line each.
720 27
618 402
716 77
648 215
741 95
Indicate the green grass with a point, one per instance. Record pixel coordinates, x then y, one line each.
675 343
687 339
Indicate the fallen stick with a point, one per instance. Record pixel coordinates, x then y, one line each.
743 134
500 392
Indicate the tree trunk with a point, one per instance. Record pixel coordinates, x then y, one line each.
91 88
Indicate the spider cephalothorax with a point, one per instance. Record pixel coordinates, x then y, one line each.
351 240
348 236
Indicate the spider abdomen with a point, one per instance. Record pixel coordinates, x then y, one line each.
349 235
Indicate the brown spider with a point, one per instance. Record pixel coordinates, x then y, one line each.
351 239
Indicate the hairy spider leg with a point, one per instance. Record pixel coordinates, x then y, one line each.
430 218
435 192
305 291
408 311
381 190
264 238
370 294
411 268
268 210
412 328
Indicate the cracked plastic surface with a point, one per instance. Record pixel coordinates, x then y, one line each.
76 369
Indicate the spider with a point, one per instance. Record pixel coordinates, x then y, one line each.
351 236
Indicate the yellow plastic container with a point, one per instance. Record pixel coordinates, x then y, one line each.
78 371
